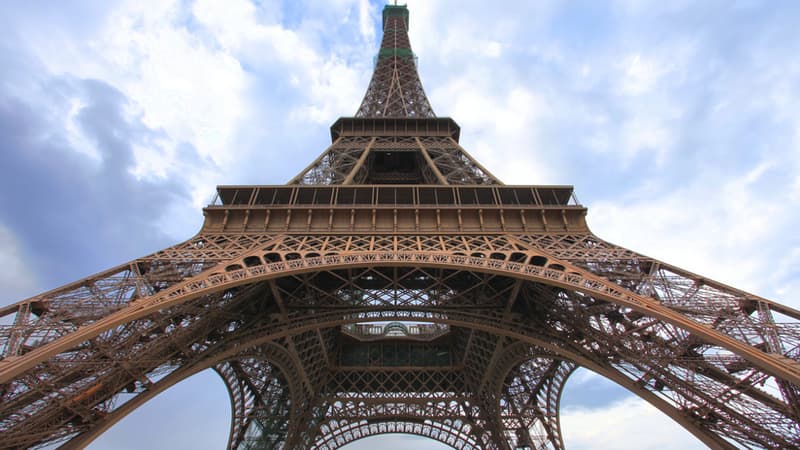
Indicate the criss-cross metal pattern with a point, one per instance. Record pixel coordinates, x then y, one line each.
430 160
395 286
395 89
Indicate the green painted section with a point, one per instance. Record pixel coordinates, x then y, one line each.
399 52
395 11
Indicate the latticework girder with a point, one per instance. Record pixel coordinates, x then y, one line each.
395 89
713 389
419 160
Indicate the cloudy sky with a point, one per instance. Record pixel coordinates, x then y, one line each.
677 122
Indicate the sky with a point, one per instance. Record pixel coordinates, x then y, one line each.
677 122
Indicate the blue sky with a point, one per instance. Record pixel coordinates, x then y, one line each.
677 122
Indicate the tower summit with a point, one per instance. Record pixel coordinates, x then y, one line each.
396 286
395 89
395 138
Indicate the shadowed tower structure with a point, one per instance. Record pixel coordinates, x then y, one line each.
397 286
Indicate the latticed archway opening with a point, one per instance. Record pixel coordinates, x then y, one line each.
433 433
194 413
392 441
597 412
573 323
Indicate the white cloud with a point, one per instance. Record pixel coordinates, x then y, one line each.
194 414
785 279
583 377
627 424
642 134
718 228
640 8
183 72
177 83
640 74
236 27
328 82
365 25
490 49
77 138
395 442
501 124
795 191
191 90
17 278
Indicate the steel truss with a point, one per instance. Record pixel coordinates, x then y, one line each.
499 312
395 89
498 293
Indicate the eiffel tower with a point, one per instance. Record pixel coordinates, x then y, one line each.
396 286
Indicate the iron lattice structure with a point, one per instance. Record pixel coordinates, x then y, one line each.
395 285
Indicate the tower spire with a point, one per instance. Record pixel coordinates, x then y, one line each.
395 89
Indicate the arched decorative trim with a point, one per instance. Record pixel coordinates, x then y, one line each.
238 347
572 279
403 425
520 353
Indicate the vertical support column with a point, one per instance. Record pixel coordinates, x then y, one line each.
532 400
430 162
17 336
492 436
789 391
261 404
360 163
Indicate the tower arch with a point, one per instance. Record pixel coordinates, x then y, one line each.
597 315
389 441
178 425
256 378
396 222
597 411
